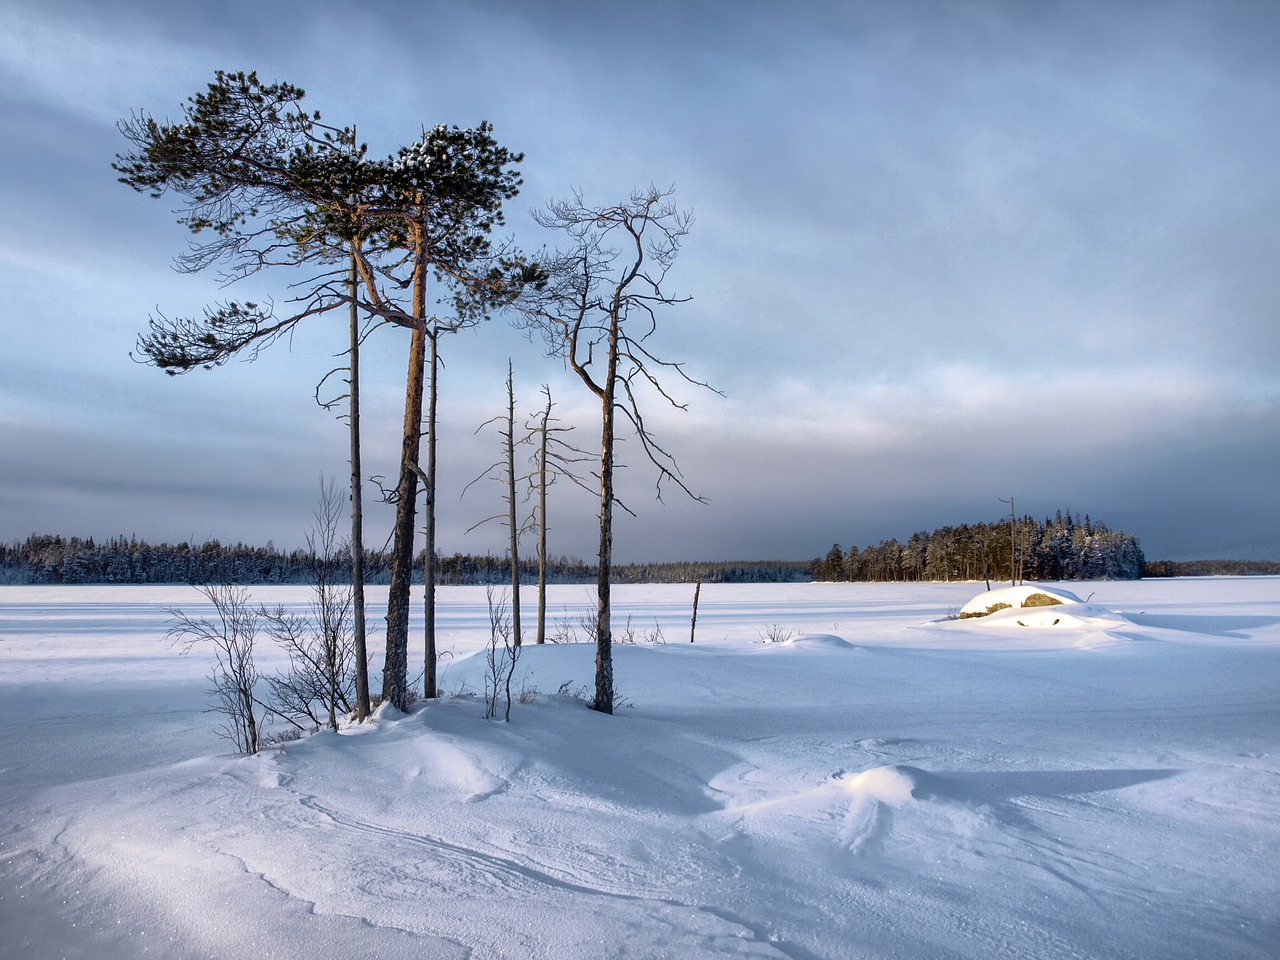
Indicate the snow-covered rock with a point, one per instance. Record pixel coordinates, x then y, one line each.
1027 595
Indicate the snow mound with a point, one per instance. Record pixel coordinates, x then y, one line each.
1027 595
998 615
820 641
1073 616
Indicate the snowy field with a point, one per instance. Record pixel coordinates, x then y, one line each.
889 783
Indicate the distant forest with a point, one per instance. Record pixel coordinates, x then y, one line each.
55 559
1211 568
1061 548
1064 548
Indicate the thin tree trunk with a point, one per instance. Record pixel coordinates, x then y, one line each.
429 558
511 506
1013 544
693 621
325 598
247 696
604 635
357 513
542 526
604 639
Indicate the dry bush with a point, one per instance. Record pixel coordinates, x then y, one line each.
231 634
776 633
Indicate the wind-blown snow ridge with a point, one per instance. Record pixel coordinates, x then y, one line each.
826 641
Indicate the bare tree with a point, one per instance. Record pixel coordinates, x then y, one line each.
230 634
505 471
513 526
598 310
437 328
320 683
1013 541
503 654
553 458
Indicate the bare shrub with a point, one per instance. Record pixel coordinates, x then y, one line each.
564 630
320 684
231 634
501 662
581 693
575 625
630 634
776 633
589 624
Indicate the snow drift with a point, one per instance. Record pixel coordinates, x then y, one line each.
922 788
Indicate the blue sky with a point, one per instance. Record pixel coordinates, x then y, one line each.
944 252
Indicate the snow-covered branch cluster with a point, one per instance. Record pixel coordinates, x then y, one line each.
419 156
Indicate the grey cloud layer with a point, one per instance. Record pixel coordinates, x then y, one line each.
943 252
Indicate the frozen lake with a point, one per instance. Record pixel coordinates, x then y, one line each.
891 783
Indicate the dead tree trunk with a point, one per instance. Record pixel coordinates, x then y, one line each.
504 470
555 458
693 620
604 636
542 520
512 524
583 308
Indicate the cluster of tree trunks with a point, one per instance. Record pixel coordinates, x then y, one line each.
264 182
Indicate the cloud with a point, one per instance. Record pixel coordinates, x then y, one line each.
967 403
918 228
1169 455
79 59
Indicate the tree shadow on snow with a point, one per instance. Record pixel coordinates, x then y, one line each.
1233 628
1001 787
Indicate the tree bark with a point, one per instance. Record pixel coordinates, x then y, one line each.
604 635
604 639
395 675
357 513
396 669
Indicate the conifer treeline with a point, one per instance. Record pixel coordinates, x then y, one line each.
1064 548
55 559
1211 568
1061 548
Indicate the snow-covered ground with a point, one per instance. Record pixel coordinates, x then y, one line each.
880 782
